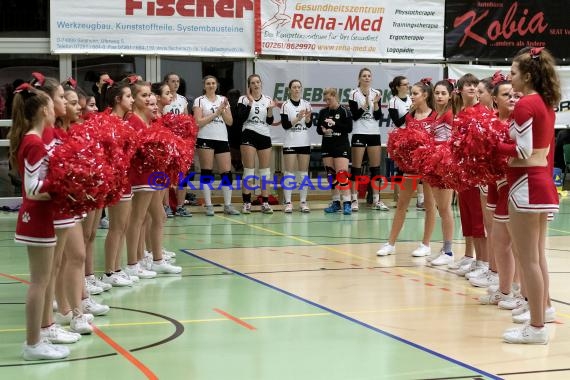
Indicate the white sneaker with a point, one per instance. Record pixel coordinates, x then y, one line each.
443 259
354 205
421 251
95 281
305 207
163 267
433 256
126 276
65 319
381 206
493 298
288 209
116 281
521 309
90 306
80 324
90 286
386 249
527 335
549 316
463 270
458 264
56 334
266 208
246 208
490 278
480 268
166 252
138 271
44 351
512 303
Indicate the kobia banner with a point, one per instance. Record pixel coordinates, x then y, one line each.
491 30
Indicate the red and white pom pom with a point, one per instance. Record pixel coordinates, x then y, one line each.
473 146
117 139
81 176
402 143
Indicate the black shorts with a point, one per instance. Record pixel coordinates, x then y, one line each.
335 151
254 139
297 150
362 141
218 146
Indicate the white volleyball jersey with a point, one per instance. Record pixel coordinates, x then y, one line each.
298 134
366 124
400 105
177 106
257 115
216 129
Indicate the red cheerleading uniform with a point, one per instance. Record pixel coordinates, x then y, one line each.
531 188
425 123
470 210
35 218
139 182
441 127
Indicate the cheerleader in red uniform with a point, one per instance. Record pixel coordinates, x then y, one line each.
145 199
67 281
532 193
421 115
506 294
470 209
441 131
32 112
119 98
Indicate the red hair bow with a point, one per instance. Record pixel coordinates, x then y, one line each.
426 81
132 79
535 52
452 81
39 78
498 77
109 82
23 87
72 82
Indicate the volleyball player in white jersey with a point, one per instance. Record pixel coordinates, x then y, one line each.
212 113
257 111
364 103
296 119
179 104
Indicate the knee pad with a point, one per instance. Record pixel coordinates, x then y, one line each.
355 172
331 175
265 173
227 178
374 172
248 172
206 176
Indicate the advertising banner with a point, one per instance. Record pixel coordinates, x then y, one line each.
220 28
563 109
316 76
498 29
360 28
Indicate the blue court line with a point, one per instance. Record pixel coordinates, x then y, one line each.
339 314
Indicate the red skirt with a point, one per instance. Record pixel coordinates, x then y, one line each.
491 197
532 190
35 224
502 210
